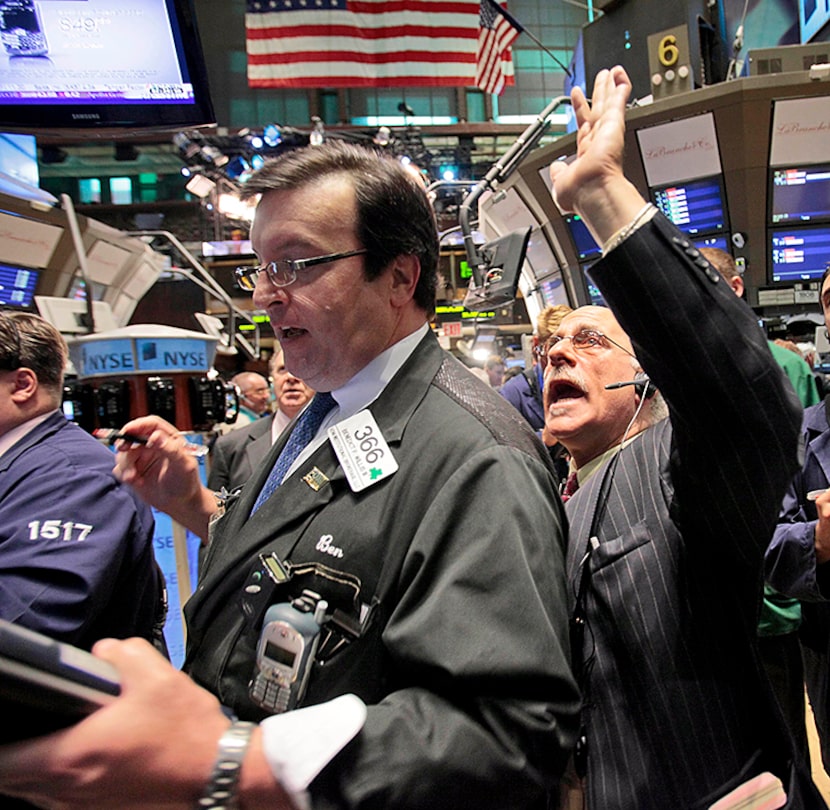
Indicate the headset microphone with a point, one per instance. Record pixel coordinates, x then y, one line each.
641 382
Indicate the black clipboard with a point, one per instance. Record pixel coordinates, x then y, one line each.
46 685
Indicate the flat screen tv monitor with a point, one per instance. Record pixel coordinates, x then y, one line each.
798 253
499 282
594 295
484 343
800 194
18 157
552 289
101 64
539 255
584 244
697 207
17 286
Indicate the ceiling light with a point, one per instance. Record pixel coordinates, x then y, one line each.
200 185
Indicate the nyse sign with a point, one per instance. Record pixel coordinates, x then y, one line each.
107 357
172 354
123 356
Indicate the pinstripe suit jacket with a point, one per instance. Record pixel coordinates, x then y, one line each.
675 705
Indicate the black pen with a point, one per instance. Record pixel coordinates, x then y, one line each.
111 436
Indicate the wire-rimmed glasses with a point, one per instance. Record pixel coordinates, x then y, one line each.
284 272
585 340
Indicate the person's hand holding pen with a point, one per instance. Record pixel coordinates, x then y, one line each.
113 436
157 462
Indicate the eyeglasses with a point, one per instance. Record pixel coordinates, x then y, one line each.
282 273
261 390
585 340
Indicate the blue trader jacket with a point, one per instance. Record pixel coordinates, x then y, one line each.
76 546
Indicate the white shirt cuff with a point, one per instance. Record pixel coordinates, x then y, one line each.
299 744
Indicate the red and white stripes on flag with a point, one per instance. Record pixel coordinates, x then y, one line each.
362 43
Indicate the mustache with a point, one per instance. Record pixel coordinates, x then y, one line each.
569 376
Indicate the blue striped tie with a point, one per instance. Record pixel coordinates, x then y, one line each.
304 431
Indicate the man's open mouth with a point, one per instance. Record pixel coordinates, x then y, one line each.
563 389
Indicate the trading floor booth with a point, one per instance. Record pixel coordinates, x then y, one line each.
151 369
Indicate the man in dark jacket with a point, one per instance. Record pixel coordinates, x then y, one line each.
673 512
798 559
76 546
419 522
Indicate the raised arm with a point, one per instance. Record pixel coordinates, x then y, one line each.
593 185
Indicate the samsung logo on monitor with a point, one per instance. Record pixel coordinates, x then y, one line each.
88 116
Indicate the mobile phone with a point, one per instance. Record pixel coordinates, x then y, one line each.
21 30
285 654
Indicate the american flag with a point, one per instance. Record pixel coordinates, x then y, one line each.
494 62
362 43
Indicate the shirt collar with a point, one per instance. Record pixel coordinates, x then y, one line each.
278 424
363 389
590 467
10 439
368 384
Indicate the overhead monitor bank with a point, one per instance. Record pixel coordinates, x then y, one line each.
38 258
742 165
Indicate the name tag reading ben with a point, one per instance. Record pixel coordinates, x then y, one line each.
362 450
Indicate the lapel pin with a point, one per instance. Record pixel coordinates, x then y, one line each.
316 479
